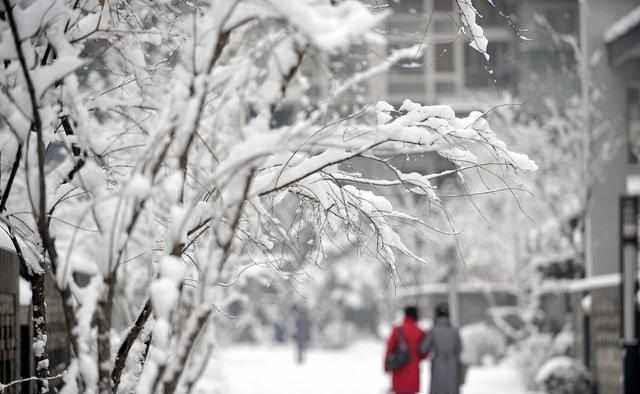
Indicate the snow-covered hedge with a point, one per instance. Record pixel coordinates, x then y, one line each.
531 354
534 357
481 342
564 343
563 375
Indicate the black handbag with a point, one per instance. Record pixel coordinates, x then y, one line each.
399 356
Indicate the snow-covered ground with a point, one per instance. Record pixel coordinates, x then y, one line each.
356 370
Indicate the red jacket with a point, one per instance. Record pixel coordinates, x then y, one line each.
406 380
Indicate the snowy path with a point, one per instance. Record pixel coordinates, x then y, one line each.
357 370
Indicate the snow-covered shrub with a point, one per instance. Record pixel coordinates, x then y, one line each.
563 343
536 350
530 354
563 375
481 342
511 321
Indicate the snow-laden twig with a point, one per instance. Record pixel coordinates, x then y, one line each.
123 351
5 386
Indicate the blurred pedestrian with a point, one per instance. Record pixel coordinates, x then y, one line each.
444 345
301 332
402 356
279 332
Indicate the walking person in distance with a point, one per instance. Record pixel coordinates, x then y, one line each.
402 356
302 332
445 347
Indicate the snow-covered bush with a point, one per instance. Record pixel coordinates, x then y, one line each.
564 343
481 343
538 349
530 354
563 375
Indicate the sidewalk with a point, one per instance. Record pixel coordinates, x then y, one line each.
356 370
499 379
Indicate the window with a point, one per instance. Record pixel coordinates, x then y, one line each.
494 16
450 64
409 6
409 66
406 85
445 87
444 61
444 26
443 5
633 124
406 78
499 71
563 20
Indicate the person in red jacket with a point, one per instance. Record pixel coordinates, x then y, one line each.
406 379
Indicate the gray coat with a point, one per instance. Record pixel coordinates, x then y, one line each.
444 345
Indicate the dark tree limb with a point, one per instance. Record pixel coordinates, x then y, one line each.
12 176
129 340
226 248
49 50
37 281
48 243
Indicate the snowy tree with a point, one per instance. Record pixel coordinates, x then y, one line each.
143 152
568 133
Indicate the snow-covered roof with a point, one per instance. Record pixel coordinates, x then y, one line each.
443 288
579 285
555 365
623 25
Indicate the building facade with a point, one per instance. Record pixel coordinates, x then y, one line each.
9 318
449 71
614 30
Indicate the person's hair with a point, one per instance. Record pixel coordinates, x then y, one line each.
442 310
411 311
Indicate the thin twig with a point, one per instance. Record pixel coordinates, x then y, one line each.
4 387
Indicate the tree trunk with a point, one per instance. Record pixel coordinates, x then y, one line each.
103 314
170 375
39 321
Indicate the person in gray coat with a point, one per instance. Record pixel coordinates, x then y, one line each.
302 331
444 346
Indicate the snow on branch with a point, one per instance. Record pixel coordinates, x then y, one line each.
468 15
329 27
